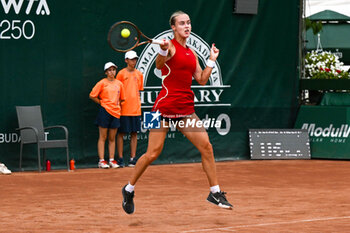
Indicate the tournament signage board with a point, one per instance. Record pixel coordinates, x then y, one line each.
279 144
328 128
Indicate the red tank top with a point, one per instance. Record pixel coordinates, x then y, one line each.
176 99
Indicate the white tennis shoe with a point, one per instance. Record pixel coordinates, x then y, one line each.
103 164
4 169
113 164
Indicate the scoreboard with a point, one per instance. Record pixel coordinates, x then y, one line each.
279 144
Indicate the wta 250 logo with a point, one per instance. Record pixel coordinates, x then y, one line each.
41 7
208 95
14 29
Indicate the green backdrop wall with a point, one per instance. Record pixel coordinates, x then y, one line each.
53 52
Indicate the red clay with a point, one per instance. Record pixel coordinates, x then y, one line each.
268 196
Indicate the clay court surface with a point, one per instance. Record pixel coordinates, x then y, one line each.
268 196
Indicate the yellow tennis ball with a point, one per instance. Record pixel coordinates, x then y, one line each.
125 33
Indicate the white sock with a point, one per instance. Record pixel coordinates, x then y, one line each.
130 188
215 189
102 160
110 160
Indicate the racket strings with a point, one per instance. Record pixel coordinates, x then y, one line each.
120 43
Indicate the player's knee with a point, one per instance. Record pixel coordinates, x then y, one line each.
207 148
154 153
152 157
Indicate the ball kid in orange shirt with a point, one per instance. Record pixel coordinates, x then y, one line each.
108 93
130 120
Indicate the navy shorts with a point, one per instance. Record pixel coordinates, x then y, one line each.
106 120
129 124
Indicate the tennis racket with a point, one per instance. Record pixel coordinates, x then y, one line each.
124 36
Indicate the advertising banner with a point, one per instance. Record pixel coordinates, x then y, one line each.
328 128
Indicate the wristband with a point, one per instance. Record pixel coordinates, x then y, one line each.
163 53
210 63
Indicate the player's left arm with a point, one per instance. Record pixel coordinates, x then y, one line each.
202 76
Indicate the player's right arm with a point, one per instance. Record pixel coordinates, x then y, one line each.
160 60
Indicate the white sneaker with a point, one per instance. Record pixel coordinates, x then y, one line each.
113 164
4 169
103 164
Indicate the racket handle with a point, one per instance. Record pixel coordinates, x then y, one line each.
160 42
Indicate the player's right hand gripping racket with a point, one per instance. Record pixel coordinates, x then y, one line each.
124 36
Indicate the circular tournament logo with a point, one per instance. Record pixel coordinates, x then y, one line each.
208 95
146 62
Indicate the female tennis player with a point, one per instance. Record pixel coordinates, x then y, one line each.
175 102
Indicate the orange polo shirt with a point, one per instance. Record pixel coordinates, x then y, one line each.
133 84
110 93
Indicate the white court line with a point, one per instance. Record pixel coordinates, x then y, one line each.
268 224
